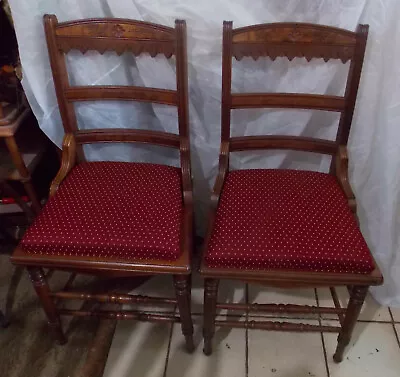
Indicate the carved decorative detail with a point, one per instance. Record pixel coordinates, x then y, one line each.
129 29
118 31
116 35
294 40
299 33
136 47
291 51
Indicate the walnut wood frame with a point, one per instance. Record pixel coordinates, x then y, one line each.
118 35
288 40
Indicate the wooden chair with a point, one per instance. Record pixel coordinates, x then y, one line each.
115 219
287 228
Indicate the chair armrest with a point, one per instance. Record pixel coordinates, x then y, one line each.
186 171
68 161
342 174
222 170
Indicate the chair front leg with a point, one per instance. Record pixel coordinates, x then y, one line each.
210 309
356 301
183 295
42 289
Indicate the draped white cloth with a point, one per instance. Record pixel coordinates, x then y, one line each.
374 140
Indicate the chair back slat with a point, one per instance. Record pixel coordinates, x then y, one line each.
287 100
119 135
242 143
127 93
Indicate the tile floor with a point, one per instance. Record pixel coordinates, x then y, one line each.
157 350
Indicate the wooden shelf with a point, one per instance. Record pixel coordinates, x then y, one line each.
32 144
12 120
31 158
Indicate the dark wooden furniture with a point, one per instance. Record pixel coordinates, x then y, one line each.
118 224
287 228
23 158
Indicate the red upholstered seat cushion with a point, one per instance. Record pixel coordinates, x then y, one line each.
112 210
286 220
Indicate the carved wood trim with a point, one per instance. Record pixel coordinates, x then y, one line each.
118 35
136 47
326 52
115 28
293 40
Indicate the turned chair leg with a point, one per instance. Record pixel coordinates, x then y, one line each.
182 285
42 289
210 309
356 301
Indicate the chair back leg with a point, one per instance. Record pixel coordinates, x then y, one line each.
42 289
182 284
210 308
357 297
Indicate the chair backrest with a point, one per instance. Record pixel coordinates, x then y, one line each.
291 40
119 35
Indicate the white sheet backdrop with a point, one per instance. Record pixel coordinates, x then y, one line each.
374 141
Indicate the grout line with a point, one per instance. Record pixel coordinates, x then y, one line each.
394 327
246 365
168 350
322 336
296 318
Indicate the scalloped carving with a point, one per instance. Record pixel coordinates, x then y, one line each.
291 51
119 45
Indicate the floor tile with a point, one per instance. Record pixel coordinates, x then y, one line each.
269 295
396 314
227 359
138 349
371 311
397 326
286 354
373 352
229 291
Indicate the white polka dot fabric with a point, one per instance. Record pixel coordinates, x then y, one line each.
112 210
286 220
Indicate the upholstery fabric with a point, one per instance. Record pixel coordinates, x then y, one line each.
112 210
287 220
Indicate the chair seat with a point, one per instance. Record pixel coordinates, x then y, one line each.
286 220
112 210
